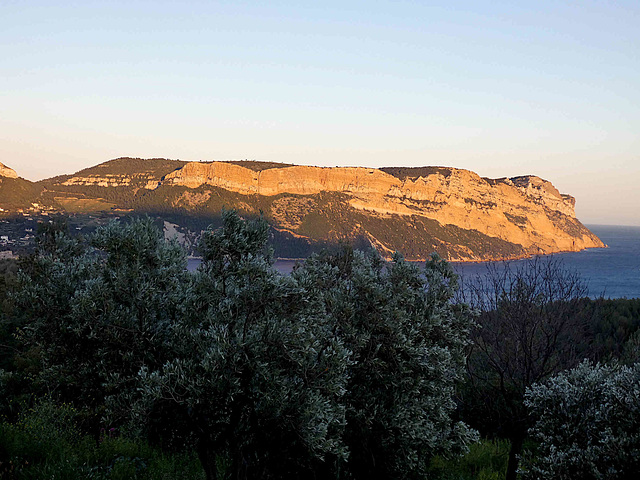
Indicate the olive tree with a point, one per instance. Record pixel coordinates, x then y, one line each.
254 365
406 340
587 423
97 311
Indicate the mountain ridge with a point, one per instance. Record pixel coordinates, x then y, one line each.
414 210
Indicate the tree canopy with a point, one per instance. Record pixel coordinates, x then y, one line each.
344 369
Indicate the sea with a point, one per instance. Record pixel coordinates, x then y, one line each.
611 272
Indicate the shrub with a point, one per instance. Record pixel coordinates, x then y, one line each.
46 442
588 424
486 460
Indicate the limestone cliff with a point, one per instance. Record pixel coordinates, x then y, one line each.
415 211
526 211
114 181
7 172
123 172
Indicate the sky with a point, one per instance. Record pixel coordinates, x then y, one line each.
547 88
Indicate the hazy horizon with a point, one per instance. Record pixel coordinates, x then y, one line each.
547 88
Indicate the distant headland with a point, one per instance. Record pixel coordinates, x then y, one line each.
415 211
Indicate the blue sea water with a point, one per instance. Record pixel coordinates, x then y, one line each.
612 272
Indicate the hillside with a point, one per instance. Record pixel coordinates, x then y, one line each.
133 172
412 210
15 192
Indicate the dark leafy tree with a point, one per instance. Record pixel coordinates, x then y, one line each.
8 271
9 347
529 328
614 329
98 312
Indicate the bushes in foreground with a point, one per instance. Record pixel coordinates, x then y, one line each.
486 460
344 369
46 442
587 423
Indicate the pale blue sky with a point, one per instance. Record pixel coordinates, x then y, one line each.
549 88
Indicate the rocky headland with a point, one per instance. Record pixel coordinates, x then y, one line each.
416 211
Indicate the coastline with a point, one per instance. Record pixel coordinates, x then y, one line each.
453 261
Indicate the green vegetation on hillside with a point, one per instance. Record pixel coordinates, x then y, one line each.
158 167
46 440
18 193
328 219
412 173
258 166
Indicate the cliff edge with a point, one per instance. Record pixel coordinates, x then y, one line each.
7 172
415 211
527 212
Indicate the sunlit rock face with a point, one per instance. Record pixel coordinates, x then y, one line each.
527 211
147 181
7 172
415 211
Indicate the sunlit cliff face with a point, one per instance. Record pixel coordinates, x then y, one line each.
412 210
7 172
528 210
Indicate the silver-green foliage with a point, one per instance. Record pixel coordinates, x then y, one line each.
254 363
98 312
406 341
344 369
588 424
